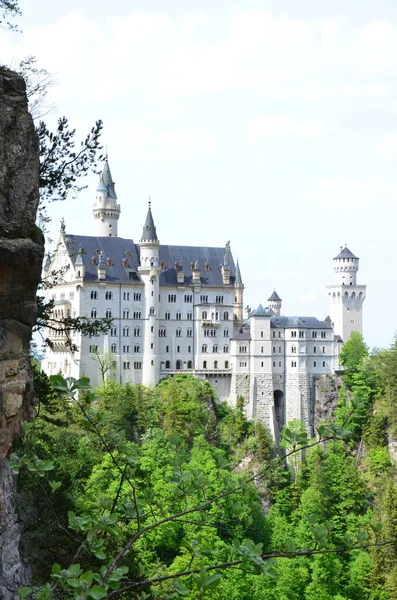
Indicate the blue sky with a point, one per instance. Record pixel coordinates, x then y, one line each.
270 124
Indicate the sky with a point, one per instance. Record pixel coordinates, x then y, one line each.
272 124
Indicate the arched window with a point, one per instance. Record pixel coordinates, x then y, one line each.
93 313
93 348
113 348
225 316
204 348
178 316
204 364
126 314
179 333
126 331
215 348
108 295
226 349
137 314
94 295
108 313
167 316
204 315
189 333
215 364
189 364
226 364
162 332
178 364
226 333
167 364
151 310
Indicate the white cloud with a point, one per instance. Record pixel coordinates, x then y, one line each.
272 125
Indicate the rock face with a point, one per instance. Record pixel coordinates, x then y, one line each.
20 267
326 397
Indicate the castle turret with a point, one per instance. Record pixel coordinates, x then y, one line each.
149 271
275 303
101 267
346 296
79 265
238 305
106 210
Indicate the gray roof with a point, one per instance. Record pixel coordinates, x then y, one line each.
274 297
121 249
261 312
106 182
242 335
300 322
149 229
237 279
345 253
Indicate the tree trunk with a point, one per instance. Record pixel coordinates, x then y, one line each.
20 266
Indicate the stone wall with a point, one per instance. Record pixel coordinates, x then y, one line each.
20 267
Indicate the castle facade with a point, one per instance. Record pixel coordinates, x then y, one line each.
179 309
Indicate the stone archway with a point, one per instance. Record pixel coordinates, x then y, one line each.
279 412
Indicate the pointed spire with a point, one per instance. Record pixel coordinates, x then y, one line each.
237 278
149 229
106 183
274 297
79 257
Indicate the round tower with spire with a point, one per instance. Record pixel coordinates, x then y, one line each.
275 303
238 305
346 296
149 270
106 210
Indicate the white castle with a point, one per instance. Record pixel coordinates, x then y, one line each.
179 309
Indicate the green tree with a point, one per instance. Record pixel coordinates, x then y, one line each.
351 357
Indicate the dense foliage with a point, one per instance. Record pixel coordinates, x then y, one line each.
160 493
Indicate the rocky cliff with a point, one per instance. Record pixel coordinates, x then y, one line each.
20 267
326 397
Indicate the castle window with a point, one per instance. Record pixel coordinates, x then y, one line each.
162 332
113 348
137 365
189 364
324 334
215 348
152 346
179 332
279 349
189 348
93 349
189 333
293 334
314 334
151 311
323 349
189 298
126 349
113 332
315 364
279 334
126 366
274 348
226 333
293 363
279 364
126 296
108 295
137 332
293 349
219 299
315 349
323 363
178 316
171 297
243 364
137 296
226 349
274 334
126 314
189 316
167 349
108 313
126 331
167 364
226 364
137 348
167 316
274 364
261 349
215 364
261 334
137 314
178 365
178 349
204 299
204 315
225 316
93 313
242 349
204 348
301 334
204 364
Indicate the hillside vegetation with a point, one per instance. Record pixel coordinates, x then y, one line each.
135 493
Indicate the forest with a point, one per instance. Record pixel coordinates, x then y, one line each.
128 492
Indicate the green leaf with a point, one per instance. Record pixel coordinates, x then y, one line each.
56 569
55 485
59 383
181 588
24 592
96 592
81 384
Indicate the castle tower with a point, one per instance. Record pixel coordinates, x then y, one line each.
238 304
149 271
106 210
346 296
275 303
